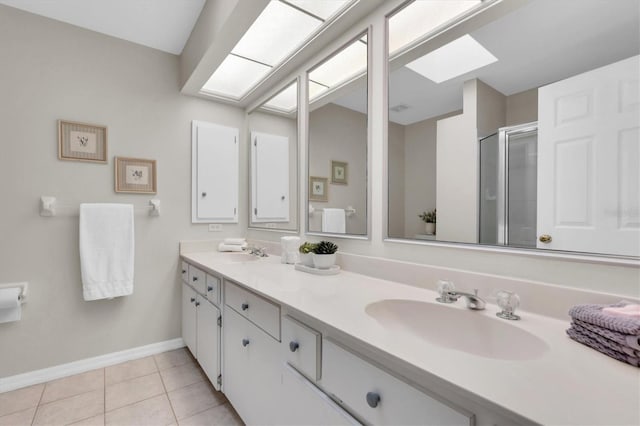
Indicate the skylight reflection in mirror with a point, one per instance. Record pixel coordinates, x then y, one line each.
285 101
422 17
282 27
350 62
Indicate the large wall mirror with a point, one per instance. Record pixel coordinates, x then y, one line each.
273 132
521 132
338 137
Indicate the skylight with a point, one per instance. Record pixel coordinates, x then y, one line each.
421 17
350 62
458 57
282 27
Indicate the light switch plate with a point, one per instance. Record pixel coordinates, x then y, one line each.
215 227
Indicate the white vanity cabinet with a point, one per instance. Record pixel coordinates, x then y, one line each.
377 397
251 370
201 321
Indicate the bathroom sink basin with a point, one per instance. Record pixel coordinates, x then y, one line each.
236 257
474 332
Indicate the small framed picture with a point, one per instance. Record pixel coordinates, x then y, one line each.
318 189
135 175
339 172
82 142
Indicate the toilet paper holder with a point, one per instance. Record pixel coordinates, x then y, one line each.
23 289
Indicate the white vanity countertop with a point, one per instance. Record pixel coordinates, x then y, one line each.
569 384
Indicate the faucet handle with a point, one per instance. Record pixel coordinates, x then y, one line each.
444 288
508 301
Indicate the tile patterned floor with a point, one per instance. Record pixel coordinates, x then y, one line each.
164 389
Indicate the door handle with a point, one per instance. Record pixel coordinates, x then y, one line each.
544 238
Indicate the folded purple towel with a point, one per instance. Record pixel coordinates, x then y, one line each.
585 340
624 339
624 349
593 315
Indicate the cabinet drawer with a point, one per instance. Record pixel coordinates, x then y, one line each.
378 397
213 289
302 347
197 279
258 310
184 271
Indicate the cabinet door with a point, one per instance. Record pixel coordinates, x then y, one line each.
251 371
189 318
269 177
208 338
215 173
308 405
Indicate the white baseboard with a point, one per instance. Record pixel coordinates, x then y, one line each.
87 364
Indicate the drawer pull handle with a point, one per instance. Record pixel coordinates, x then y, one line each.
245 306
193 299
245 342
373 399
209 288
293 346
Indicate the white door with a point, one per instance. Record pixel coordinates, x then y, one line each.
270 177
589 160
215 175
208 338
189 318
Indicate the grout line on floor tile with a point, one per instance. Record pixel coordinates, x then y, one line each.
165 390
33 419
104 399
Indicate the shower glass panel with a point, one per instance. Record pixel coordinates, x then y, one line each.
489 166
522 152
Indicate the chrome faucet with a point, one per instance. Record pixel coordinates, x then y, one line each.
256 251
474 302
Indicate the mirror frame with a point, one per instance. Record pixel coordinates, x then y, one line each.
368 32
250 224
480 16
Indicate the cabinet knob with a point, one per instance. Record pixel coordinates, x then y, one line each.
204 194
193 299
293 346
373 399
184 271
282 198
545 239
245 306
197 303
245 342
209 288
195 278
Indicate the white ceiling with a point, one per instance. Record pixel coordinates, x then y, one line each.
534 45
160 24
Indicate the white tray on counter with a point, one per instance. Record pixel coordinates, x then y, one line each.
311 270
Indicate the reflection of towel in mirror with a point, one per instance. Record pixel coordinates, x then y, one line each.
333 221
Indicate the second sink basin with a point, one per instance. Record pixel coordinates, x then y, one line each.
472 332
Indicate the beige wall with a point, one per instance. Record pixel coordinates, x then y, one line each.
397 169
522 107
52 71
340 134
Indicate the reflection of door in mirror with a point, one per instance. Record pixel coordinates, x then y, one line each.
338 141
572 186
274 153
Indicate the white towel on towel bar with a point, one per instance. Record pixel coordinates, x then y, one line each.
333 221
106 250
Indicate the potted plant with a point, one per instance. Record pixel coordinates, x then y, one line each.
324 255
429 218
306 253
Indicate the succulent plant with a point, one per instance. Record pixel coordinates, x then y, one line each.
307 247
325 247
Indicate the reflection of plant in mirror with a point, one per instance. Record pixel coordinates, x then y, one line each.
428 217
307 247
325 247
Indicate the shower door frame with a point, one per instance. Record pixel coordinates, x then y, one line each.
504 134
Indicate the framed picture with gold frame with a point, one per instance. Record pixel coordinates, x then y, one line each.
82 142
318 187
136 175
339 172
